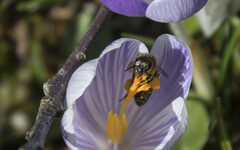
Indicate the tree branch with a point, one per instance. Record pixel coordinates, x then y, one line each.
53 103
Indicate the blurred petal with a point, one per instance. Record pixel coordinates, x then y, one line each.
127 7
173 10
163 129
213 14
103 94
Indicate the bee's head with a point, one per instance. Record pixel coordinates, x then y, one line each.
142 66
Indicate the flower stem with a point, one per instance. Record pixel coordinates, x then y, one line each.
230 47
225 142
53 104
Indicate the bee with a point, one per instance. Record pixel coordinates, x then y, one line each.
143 65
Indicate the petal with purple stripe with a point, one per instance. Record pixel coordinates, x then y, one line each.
162 130
78 83
173 10
103 94
75 89
156 125
175 58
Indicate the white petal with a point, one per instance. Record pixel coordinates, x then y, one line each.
68 130
116 44
80 80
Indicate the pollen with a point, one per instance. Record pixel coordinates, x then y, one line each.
117 125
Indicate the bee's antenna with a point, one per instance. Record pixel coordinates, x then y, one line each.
161 70
129 68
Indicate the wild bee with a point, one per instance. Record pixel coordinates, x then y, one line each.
143 65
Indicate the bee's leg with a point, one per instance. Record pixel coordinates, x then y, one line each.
156 74
123 98
128 84
127 87
155 84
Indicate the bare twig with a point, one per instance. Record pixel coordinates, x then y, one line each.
53 103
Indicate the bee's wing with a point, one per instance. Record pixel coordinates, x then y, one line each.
162 71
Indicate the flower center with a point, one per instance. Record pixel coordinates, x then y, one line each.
117 126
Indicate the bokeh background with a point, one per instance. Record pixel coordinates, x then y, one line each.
37 36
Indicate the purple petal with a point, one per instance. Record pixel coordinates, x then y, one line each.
83 76
176 59
173 10
74 90
107 87
162 130
88 134
68 130
126 7
103 94
78 83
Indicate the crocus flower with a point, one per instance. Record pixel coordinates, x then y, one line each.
95 88
157 10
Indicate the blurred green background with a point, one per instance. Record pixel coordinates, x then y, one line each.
36 37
